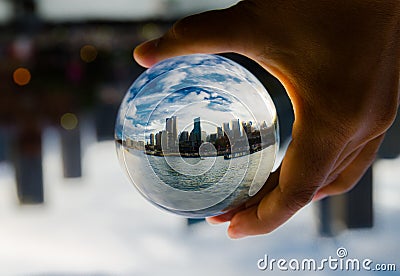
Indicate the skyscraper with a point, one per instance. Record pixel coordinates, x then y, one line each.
158 140
235 129
220 133
184 136
247 128
151 142
203 136
171 127
164 141
195 134
227 129
213 137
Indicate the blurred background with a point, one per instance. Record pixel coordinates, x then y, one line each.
66 208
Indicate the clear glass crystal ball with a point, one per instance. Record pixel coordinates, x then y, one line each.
197 135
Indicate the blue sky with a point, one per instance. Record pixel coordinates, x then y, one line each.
221 95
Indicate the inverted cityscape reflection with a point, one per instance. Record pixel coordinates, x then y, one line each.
197 135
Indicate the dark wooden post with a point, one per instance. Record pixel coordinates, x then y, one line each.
27 160
71 152
352 210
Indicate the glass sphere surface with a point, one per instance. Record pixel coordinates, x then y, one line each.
197 135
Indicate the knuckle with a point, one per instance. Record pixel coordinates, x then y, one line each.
298 198
376 124
383 120
361 125
179 29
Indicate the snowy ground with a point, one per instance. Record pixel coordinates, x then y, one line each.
100 225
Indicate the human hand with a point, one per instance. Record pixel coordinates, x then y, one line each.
339 63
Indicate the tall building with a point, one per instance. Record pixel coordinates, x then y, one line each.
158 140
203 136
226 129
151 142
184 136
171 127
235 129
195 134
220 132
164 141
247 128
213 137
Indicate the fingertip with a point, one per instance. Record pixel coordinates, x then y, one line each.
144 53
241 224
214 220
235 233
221 218
319 196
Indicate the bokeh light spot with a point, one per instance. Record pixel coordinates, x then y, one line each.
151 31
22 76
69 121
88 53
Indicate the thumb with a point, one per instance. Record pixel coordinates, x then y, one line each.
209 32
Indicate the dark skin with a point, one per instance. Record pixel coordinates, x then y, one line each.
339 63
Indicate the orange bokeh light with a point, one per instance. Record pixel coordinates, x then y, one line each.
88 53
22 76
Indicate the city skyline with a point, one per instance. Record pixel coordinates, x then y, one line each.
233 129
230 138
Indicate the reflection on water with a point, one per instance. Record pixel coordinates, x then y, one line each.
222 183
186 178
